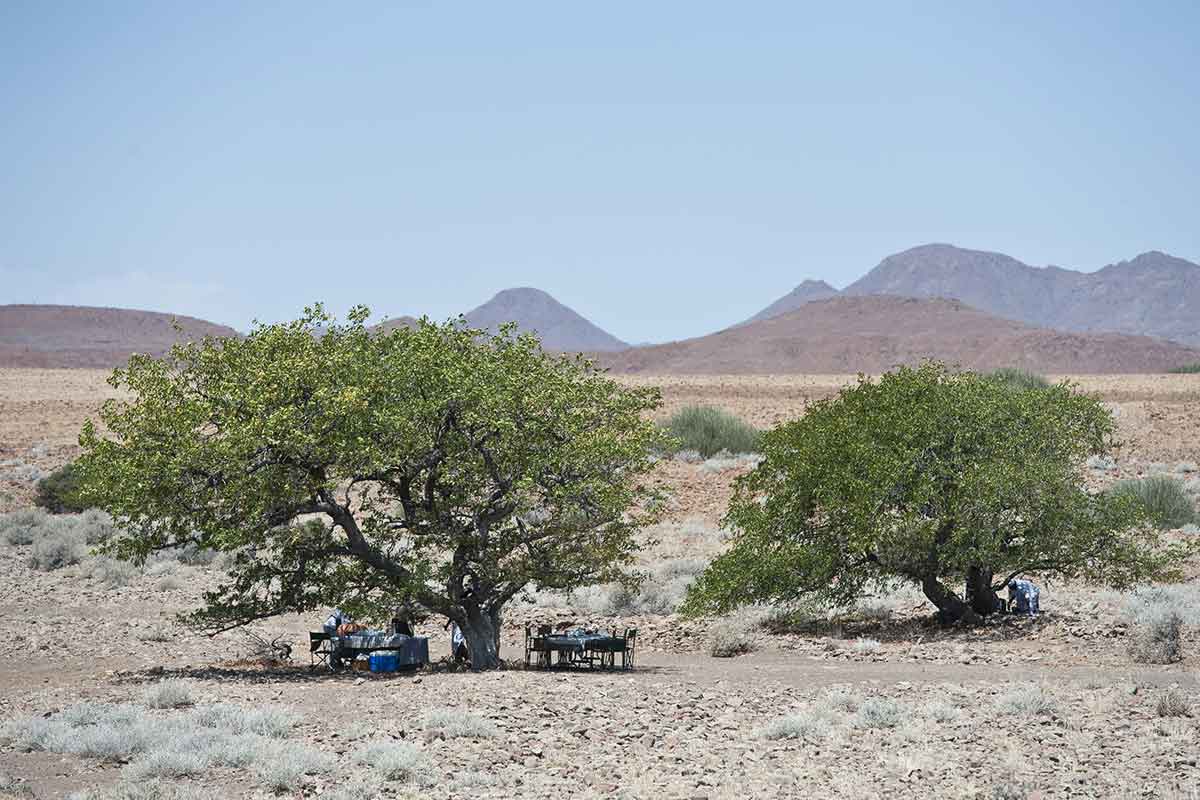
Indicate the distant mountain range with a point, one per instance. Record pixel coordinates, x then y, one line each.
1153 295
875 333
1006 313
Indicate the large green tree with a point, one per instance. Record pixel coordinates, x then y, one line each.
934 478
450 469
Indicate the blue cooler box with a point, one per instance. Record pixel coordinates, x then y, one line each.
384 662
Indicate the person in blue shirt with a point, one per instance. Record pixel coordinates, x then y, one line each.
1023 597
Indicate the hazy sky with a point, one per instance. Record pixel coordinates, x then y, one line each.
666 169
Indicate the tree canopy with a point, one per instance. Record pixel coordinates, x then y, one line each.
448 468
928 476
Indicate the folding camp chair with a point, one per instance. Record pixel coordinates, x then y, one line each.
320 647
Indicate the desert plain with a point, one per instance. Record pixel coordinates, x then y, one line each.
874 701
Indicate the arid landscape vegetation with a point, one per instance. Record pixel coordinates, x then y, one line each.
107 694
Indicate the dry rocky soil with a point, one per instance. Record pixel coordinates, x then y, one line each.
875 702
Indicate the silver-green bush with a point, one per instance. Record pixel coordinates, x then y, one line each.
879 712
1028 700
1164 498
394 761
709 430
454 724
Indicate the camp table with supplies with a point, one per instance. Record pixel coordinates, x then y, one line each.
411 651
579 648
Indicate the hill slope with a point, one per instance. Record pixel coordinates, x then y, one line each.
83 336
559 327
875 333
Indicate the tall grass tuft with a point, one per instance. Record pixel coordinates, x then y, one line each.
1021 379
709 430
1164 498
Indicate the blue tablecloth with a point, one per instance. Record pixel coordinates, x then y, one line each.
409 649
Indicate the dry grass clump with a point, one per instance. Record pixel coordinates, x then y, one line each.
146 790
1173 703
58 546
170 693
286 765
730 637
811 724
880 712
1156 618
941 711
1028 700
842 699
176 744
270 722
112 573
393 761
452 724
21 527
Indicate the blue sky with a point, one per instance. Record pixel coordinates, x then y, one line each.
666 169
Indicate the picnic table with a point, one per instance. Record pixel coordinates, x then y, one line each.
411 651
579 648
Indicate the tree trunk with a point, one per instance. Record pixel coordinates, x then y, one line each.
482 632
980 595
951 608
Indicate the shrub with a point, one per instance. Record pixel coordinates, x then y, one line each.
659 592
395 761
110 572
95 525
1020 379
803 725
1185 369
1156 639
879 712
1156 617
1165 499
59 545
941 711
271 722
1027 701
285 766
170 693
730 638
1173 703
842 699
58 492
709 430
22 526
166 763
18 471
145 790
453 724
169 583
